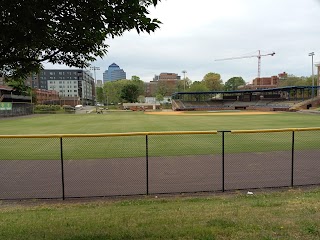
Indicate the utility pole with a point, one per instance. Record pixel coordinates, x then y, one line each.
312 54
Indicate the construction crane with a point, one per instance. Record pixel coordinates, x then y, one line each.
257 56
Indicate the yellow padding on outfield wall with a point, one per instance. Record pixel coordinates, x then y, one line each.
276 130
108 134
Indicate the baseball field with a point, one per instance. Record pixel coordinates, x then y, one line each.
288 214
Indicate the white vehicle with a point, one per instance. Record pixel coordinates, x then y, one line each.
78 107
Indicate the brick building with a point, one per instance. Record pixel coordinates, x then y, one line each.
47 96
167 81
265 82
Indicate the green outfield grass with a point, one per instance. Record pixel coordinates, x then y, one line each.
121 122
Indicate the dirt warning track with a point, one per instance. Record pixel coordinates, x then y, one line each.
21 179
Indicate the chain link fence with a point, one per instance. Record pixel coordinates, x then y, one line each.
97 165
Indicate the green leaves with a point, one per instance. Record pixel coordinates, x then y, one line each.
233 83
213 81
69 32
130 92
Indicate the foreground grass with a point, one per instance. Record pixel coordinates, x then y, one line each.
291 214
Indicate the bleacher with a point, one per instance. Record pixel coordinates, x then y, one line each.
289 98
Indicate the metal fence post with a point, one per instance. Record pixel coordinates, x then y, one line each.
222 160
292 158
62 170
147 165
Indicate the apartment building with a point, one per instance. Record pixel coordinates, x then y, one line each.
73 85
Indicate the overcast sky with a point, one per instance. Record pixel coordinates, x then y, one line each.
196 33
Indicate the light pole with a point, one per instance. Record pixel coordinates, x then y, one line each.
184 79
95 81
94 71
312 54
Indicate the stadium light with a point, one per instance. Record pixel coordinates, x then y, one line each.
94 70
312 54
184 79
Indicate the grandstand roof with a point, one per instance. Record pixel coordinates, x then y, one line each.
288 88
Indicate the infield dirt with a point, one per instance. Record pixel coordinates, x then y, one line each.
217 113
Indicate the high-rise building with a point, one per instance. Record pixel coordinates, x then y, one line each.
114 73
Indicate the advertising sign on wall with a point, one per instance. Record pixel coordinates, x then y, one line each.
5 106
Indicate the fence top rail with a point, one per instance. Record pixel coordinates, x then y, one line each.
108 134
276 130
155 133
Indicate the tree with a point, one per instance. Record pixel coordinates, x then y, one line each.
19 87
135 78
113 90
198 87
69 32
140 85
213 81
162 88
141 99
130 92
100 95
165 88
159 97
183 85
233 83
292 80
